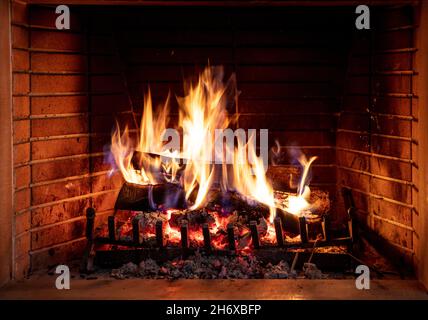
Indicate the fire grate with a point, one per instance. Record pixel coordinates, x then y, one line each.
132 197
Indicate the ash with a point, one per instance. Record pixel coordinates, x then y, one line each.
206 267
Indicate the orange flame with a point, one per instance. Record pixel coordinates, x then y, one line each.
202 111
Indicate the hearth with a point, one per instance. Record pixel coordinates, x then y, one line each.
326 122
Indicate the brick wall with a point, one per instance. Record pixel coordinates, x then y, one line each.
376 129
66 94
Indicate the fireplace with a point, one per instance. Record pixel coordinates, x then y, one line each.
352 98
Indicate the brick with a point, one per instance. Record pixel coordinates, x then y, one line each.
103 104
59 212
59 191
392 211
21 83
21 106
396 39
22 177
391 168
43 16
302 138
101 163
58 126
361 202
21 153
100 143
105 64
352 121
58 83
57 62
254 73
352 160
66 104
56 40
57 234
59 169
20 60
391 147
114 83
22 222
393 83
22 199
395 17
19 37
394 61
353 180
21 131
290 106
105 201
19 12
58 255
353 141
392 190
106 182
22 267
394 233
105 123
170 55
286 122
22 244
58 148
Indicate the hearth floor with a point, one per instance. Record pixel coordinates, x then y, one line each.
102 288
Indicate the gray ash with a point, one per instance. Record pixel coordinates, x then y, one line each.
205 267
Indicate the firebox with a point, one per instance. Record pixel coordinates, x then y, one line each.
337 111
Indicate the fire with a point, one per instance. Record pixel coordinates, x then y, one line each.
202 111
147 142
299 203
250 180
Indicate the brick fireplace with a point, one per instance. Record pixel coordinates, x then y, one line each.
354 98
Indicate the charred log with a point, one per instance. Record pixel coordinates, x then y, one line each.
149 197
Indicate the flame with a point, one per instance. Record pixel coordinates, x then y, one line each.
299 203
202 111
249 177
147 142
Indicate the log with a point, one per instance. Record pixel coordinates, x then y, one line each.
147 197
145 160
